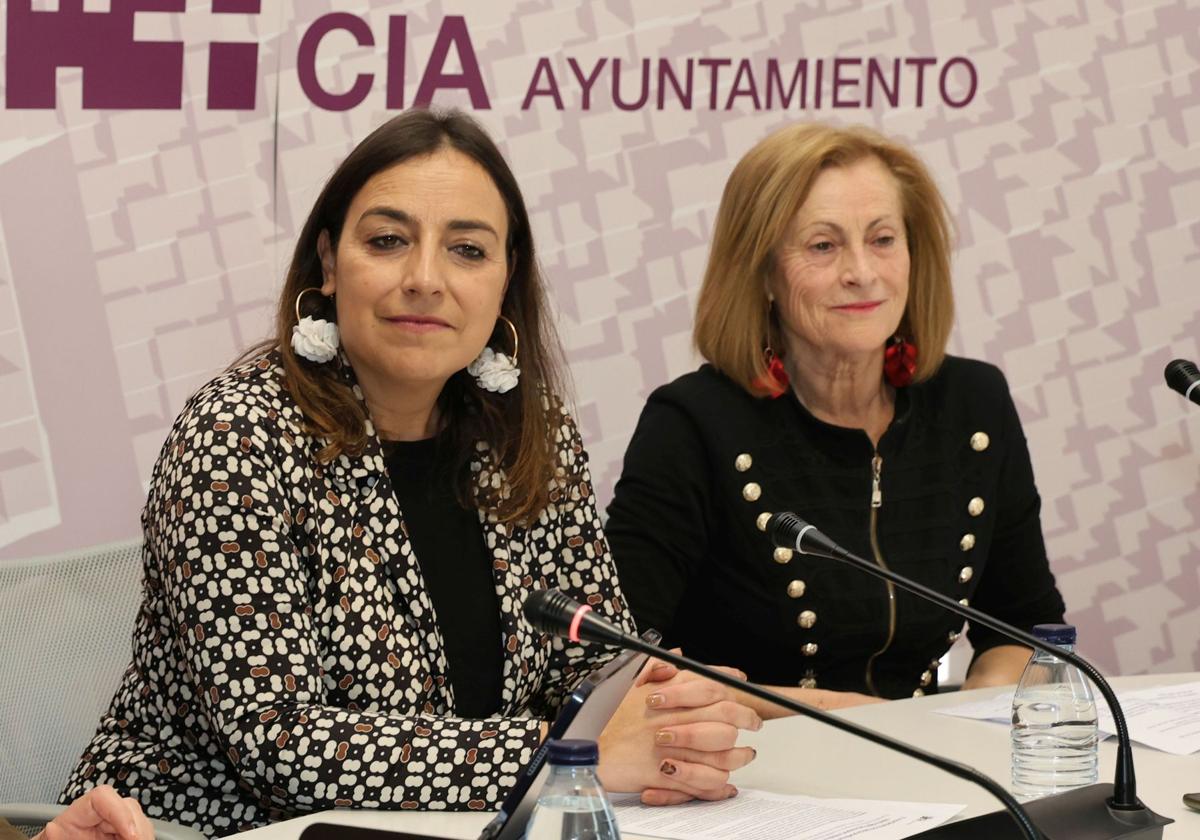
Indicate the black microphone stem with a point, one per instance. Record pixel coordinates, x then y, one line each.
1124 783
954 768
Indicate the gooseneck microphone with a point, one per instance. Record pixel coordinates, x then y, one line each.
1184 378
1123 814
552 611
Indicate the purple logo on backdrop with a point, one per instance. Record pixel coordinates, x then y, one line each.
122 72
118 71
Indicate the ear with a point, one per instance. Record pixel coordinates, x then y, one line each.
328 264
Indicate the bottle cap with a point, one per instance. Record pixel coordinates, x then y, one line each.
573 752
1055 634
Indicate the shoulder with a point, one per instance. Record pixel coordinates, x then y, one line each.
250 399
705 383
968 393
703 413
707 397
959 372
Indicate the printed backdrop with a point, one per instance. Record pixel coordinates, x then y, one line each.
157 157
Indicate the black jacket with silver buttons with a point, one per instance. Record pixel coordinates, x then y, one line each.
949 493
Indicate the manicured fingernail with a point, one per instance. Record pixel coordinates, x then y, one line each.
758 725
667 768
732 792
664 737
753 753
655 700
661 666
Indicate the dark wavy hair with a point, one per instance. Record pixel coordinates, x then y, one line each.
520 427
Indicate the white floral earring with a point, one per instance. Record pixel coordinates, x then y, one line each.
494 371
314 339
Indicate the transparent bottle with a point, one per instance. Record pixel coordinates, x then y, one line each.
572 805
1054 734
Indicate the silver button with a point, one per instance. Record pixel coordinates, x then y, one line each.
980 441
953 636
751 492
806 619
965 574
743 462
919 693
926 678
974 507
966 602
796 589
967 542
763 520
809 649
782 555
934 664
808 682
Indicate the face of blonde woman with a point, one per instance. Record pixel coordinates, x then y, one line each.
420 269
841 273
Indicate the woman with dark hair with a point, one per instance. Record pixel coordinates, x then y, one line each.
342 528
824 316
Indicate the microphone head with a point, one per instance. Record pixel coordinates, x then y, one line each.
549 610
1180 374
784 529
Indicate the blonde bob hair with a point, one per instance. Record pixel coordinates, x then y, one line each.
734 321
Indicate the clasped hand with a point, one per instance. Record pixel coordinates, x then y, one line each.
674 737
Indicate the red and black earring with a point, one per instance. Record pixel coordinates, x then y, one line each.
899 361
775 382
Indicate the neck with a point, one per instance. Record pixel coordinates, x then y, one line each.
843 391
402 411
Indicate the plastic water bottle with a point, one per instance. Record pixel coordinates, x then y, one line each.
573 805
1054 736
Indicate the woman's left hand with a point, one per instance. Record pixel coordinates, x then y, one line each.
674 737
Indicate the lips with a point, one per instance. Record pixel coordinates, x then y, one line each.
865 306
418 324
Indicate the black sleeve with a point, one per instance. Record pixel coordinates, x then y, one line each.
659 516
1017 585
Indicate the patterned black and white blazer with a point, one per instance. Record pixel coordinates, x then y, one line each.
287 657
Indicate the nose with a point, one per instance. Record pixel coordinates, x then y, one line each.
857 269
420 273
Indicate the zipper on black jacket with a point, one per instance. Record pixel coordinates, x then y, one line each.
876 504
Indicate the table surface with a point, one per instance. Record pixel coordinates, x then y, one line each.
799 755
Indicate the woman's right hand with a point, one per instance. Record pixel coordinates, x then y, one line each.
674 738
100 814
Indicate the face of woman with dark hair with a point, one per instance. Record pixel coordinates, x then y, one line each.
419 271
841 274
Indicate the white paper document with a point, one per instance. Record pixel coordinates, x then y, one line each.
758 815
1166 718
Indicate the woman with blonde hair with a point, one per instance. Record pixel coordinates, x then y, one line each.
824 315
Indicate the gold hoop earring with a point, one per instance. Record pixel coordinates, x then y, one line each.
300 297
515 338
494 371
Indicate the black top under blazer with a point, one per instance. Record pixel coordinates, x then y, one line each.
958 511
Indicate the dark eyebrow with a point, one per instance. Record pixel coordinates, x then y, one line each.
472 224
390 212
405 218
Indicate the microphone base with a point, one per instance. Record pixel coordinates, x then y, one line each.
1080 814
